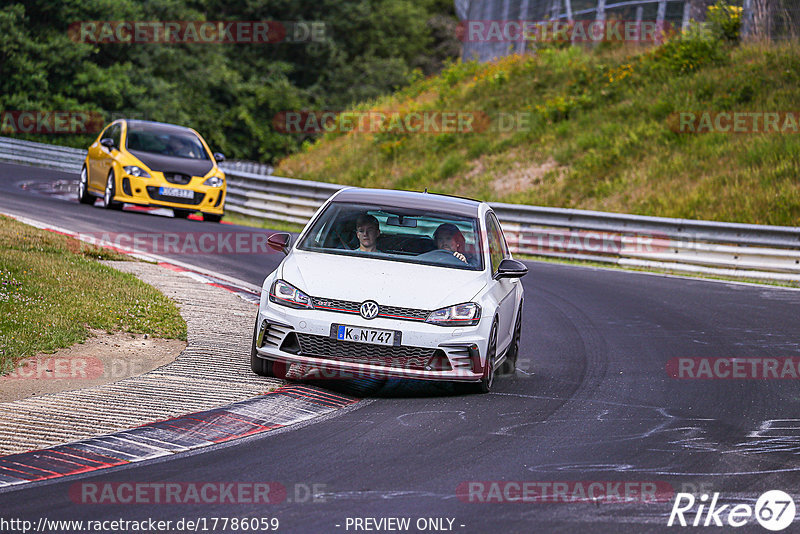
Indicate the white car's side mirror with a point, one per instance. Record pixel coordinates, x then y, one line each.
509 268
280 242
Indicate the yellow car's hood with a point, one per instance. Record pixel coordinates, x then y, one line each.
160 163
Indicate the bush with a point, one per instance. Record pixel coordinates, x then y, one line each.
686 53
724 21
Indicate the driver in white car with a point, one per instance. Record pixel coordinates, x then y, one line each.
449 237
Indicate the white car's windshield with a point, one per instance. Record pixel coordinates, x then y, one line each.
396 234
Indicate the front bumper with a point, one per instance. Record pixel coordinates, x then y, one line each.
427 352
145 192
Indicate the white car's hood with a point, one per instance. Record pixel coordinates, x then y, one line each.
390 283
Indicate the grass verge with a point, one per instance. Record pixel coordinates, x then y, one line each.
53 289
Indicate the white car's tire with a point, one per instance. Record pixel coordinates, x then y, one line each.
509 366
486 383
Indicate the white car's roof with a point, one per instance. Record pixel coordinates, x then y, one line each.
409 199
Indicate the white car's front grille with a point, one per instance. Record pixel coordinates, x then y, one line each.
392 312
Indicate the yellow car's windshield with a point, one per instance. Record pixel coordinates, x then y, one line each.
179 145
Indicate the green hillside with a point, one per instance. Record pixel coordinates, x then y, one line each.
600 133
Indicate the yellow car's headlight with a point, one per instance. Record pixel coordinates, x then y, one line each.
138 172
214 181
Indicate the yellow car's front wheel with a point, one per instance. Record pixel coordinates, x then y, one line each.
111 190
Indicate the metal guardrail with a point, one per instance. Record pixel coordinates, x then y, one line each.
41 155
247 166
660 227
273 197
639 247
71 159
731 249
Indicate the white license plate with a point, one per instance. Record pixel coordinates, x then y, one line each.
364 335
175 192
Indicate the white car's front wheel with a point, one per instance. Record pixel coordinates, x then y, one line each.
485 385
509 367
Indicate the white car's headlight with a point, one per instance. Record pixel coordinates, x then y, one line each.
133 170
286 294
467 314
214 181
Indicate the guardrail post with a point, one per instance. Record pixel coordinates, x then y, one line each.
601 10
639 13
747 18
662 14
555 9
523 15
505 21
687 8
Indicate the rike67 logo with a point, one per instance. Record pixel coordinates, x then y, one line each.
774 510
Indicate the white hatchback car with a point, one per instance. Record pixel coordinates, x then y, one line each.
393 284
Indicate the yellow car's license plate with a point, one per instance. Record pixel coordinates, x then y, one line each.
175 192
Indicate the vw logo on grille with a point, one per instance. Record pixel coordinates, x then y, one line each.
369 309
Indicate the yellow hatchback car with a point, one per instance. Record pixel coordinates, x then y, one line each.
154 164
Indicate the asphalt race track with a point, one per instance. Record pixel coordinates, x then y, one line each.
592 401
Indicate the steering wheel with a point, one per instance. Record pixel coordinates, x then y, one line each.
338 233
442 253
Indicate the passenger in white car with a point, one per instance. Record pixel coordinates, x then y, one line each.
367 231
